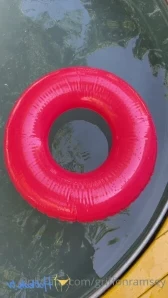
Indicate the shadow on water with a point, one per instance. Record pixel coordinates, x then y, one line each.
123 36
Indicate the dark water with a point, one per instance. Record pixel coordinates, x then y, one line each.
80 140
129 38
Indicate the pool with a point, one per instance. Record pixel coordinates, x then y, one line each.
128 38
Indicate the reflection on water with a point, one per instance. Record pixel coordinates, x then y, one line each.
80 140
123 36
71 150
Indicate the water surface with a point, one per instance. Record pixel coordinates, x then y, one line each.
126 37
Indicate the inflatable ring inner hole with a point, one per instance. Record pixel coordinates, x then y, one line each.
80 140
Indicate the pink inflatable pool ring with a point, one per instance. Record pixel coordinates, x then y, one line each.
69 196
